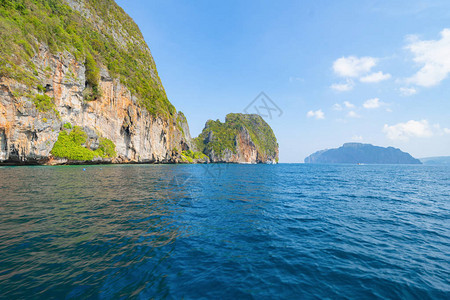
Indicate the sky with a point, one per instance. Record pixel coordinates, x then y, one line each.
332 71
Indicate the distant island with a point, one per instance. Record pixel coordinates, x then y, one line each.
437 160
354 153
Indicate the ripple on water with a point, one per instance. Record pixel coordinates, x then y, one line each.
236 231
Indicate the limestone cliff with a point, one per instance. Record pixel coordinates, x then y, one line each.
28 135
46 89
78 84
241 139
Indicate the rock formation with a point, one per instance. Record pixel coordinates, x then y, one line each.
437 160
241 139
27 135
353 153
78 84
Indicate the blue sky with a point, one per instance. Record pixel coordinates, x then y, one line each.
341 71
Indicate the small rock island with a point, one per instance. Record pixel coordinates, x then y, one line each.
243 138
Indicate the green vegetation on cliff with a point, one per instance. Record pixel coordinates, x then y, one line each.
218 136
190 156
98 32
43 103
70 145
223 137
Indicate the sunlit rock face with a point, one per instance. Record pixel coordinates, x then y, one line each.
28 135
243 138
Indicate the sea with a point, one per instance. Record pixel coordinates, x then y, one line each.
222 231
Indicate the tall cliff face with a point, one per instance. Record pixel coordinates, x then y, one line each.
241 139
50 84
78 84
28 134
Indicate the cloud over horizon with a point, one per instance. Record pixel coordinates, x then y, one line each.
349 104
434 56
404 131
352 66
407 91
343 87
353 114
318 114
359 68
375 77
373 103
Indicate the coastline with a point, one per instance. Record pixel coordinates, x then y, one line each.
65 162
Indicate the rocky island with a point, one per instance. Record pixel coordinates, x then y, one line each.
437 160
78 84
241 139
354 153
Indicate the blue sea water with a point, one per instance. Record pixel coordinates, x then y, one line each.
289 231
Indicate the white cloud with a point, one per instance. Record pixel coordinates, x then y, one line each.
434 56
404 91
353 66
337 107
403 131
357 138
348 104
375 77
296 79
353 114
440 131
373 103
343 87
345 104
318 114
